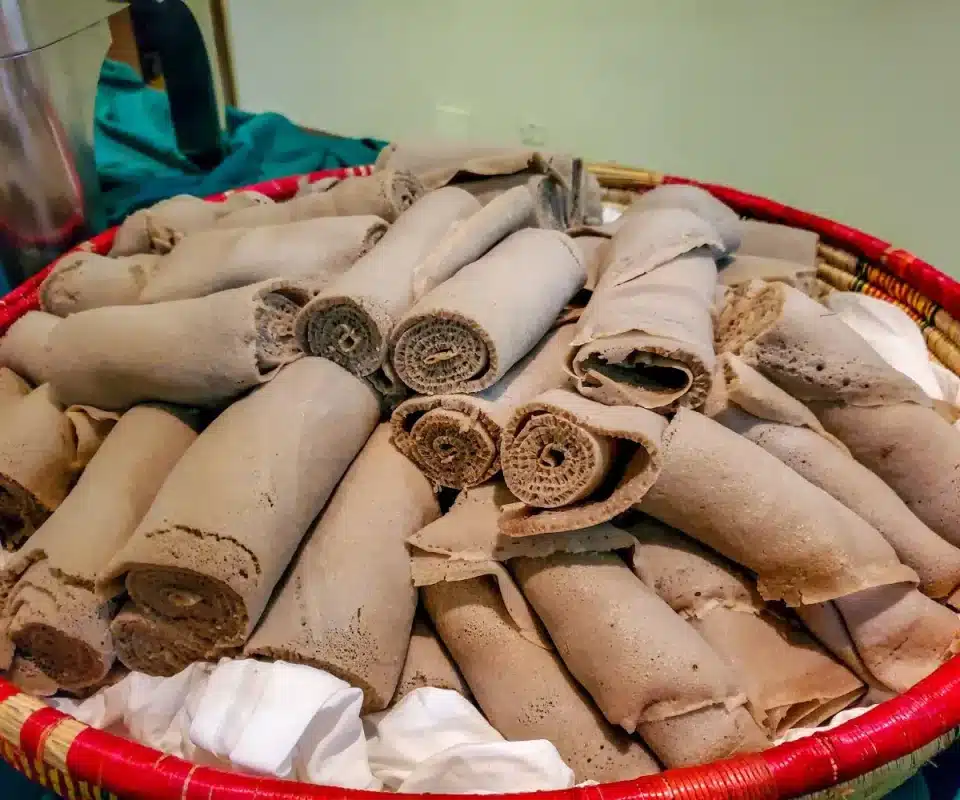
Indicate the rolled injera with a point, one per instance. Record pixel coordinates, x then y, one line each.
808 350
12 387
428 664
26 676
645 667
465 334
455 438
523 689
200 351
314 251
347 604
733 496
228 519
42 450
899 635
80 281
780 242
25 349
648 341
350 320
723 219
785 428
914 450
550 195
789 679
160 227
573 462
473 237
55 614
162 646
386 195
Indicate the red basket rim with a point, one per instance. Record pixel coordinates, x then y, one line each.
887 733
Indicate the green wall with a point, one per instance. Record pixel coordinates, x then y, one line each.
845 107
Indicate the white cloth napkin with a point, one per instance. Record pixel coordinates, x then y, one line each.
435 741
890 332
288 720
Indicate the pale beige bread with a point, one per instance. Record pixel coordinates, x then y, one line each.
573 462
723 219
455 439
466 543
594 252
465 334
781 242
314 251
55 614
201 351
439 163
807 350
12 387
473 237
25 347
43 448
229 517
347 604
80 281
428 664
524 690
158 228
386 195
161 646
800 442
733 496
744 269
648 341
549 195
789 679
639 660
914 450
350 320
900 635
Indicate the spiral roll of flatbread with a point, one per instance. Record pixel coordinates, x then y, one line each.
428 664
350 320
523 688
314 251
898 635
25 347
228 519
200 351
718 215
789 679
158 228
573 462
81 281
348 602
733 496
55 614
455 439
161 646
465 334
386 195
785 428
43 448
648 341
645 667
549 193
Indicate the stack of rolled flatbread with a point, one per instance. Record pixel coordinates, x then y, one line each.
626 487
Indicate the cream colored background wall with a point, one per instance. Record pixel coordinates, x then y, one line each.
846 107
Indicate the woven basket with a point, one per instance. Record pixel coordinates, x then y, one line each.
864 758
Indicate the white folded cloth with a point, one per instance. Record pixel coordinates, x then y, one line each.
287 720
435 741
890 332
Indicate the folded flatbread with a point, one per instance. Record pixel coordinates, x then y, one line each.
25 348
81 281
348 602
723 219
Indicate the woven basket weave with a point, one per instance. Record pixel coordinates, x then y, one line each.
864 758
